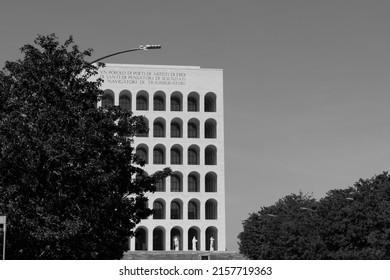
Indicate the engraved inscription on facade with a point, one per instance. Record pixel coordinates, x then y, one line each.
143 77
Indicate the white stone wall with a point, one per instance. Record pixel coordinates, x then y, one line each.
183 79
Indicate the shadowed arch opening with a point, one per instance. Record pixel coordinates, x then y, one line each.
176 182
193 182
193 155
211 239
210 104
141 239
142 100
176 209
159 239
176 101
210 129
210 155
177 232
211 182
211 209
194 232
193 102
159 209
159 101
194 209
125 100
108 98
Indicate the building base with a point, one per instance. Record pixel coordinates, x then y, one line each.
182 255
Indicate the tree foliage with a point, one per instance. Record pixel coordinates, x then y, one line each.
351 223
70 184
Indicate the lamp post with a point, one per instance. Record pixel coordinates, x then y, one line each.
140 48
3 221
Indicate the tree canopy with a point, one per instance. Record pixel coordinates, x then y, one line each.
70 183
351 223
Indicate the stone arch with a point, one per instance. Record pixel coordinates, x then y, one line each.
177 232
159 101
211 232
194 231
210 155
159 209
211 182
211 209
125 100
176 154
142 100
210 102
142 152
193 102
176 101
141 239
210 128
193 182
193 128
108 98
159 239
177 128
176 181
194 209
193 155
176 209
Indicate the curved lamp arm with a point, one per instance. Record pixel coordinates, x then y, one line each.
140 48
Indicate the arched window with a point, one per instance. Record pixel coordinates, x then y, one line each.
210 129
158 210
158 103
210 102
158 129
193 182
175 156
175 130
193 128
175 210
142 100
211 209
193 102
125 103
175 103
193 156
193 213
158 156
142 154
176 183
211 234
125 100
141 241
194 232
145 132
158 239
108 98
176 233
211 155
160 185
211 182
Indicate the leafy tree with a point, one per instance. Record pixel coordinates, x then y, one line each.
351 223
357 220
70 184
289 229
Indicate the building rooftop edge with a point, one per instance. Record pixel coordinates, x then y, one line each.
120 65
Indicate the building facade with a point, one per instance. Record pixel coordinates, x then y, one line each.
183 106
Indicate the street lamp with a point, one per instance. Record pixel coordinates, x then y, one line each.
140 48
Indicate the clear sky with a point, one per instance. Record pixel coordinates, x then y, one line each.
306 81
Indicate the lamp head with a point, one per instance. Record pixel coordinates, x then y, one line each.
149 47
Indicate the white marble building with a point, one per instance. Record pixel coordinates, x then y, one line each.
183 106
